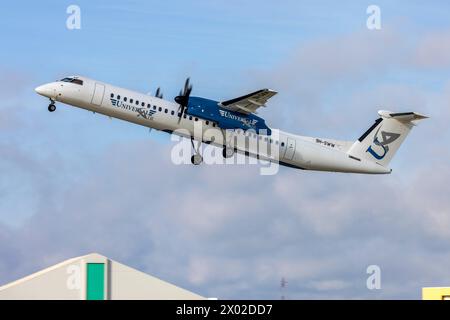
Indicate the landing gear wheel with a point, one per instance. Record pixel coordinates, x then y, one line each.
227 152
196 159
51 107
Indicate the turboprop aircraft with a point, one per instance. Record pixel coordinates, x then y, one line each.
234 126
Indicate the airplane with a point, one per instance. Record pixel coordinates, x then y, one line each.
235 126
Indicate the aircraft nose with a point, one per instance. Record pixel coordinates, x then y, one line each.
44 90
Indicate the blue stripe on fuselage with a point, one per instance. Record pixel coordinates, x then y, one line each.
226 119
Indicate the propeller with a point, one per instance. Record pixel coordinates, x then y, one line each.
183 98
158 93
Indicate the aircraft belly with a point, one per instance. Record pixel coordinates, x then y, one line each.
312 157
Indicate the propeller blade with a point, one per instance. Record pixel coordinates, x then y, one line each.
158 93
186 86
183 98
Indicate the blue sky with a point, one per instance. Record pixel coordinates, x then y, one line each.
228 232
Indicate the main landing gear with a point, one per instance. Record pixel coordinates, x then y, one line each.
51 106
227 152
197 158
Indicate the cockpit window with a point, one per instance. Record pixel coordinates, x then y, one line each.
73 80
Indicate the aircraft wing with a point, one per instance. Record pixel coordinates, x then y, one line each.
250 102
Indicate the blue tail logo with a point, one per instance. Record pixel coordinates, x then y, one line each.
386 139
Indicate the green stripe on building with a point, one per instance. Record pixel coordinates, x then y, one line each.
95 281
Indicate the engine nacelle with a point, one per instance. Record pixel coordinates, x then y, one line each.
226 119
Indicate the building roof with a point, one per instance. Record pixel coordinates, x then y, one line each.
93 276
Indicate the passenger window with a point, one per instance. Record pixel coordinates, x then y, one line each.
159 109
214 124
190 117
118 97
137 102
154 107
112 95
143 104
148 105
196 119
172 112
184 116
131 100
165 110
282 144
125 99
207 122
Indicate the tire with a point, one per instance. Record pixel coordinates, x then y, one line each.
196 159
51 108
227 152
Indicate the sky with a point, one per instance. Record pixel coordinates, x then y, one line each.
72 182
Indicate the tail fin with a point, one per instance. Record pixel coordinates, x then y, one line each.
382 140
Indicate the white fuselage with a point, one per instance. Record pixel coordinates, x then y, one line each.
292 150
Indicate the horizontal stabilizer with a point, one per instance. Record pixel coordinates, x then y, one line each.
402 116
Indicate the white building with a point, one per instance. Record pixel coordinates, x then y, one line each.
92 277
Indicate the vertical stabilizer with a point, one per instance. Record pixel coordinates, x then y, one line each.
382 140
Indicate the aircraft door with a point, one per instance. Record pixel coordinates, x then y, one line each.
97 97
290 149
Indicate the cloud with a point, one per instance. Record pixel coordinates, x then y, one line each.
335 79
13 82
227 232
433 51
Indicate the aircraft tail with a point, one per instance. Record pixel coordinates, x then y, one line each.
382 140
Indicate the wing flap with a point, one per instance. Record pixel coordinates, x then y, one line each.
249 103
